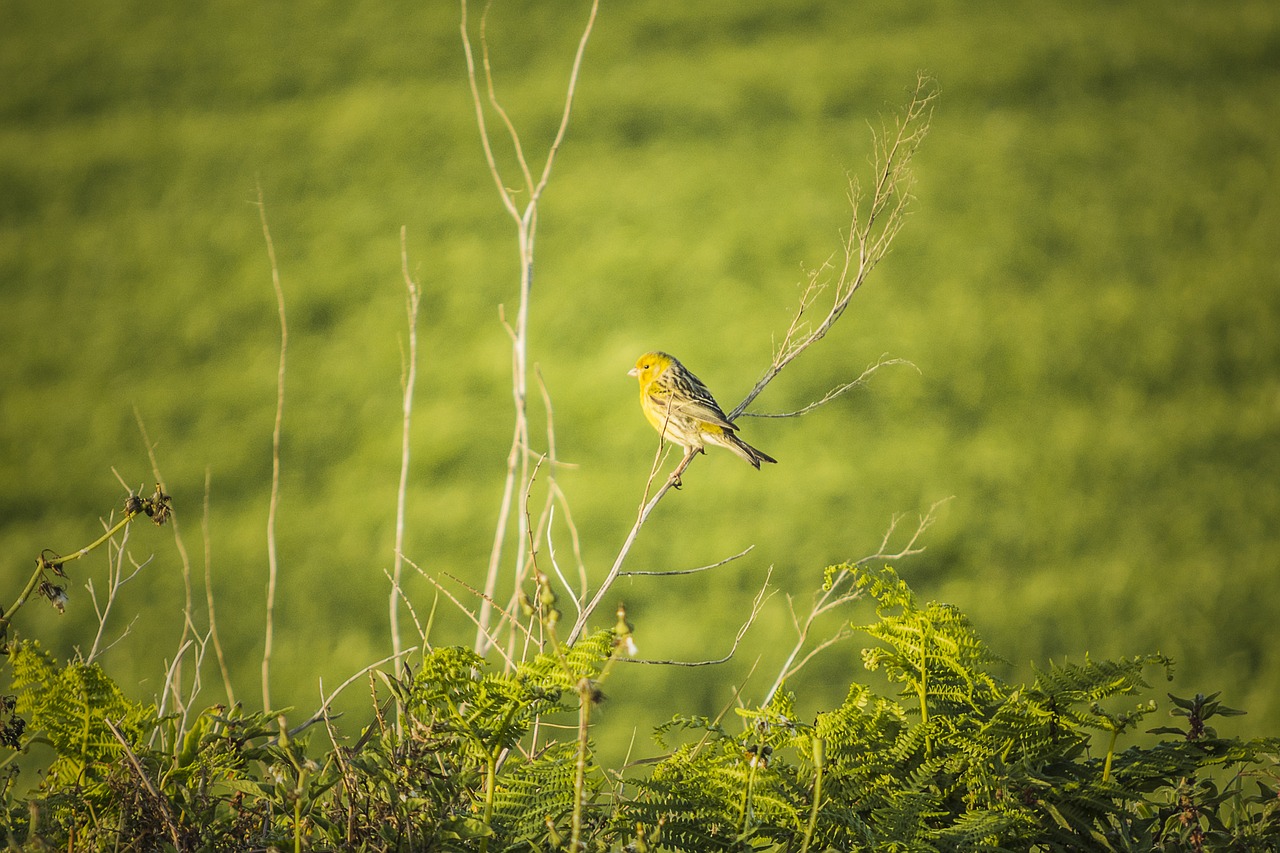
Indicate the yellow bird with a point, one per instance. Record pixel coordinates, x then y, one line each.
683 411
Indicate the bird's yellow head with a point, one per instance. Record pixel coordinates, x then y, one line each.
650 366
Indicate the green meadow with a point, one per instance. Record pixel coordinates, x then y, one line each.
1087 290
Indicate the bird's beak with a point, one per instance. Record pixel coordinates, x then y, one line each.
635 371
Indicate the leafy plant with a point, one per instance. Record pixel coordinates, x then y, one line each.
966 763
461 756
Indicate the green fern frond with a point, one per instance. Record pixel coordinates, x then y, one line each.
934 652
988 830
681 723
1094 680
533 794
71 706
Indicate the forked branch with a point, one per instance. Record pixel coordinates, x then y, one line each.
837 593
526 222
876 218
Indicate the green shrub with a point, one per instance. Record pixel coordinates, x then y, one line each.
464 756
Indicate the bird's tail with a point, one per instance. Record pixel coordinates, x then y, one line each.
746 451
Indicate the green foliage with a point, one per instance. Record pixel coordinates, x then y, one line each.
470 758
85 718
70 707
970 764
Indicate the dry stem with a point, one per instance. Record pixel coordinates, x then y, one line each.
273 562
526 222
408 378
208 594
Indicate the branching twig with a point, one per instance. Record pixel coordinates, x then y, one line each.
695 571
875 220
525 220
835 595
756 606
839 390
491 641
116 579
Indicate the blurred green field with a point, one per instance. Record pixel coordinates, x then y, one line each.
1087 286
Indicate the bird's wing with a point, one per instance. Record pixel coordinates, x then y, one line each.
693 399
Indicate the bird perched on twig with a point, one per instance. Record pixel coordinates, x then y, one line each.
683 411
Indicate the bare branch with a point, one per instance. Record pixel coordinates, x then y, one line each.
493 98
874 222
116 579
273 561
756 606
716 565
574 595
408 379
839 390
646 509
835 596
554 492
478 104
526 233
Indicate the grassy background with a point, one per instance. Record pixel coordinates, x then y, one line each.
1088 287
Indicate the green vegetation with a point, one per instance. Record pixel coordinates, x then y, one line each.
1087 288
464 758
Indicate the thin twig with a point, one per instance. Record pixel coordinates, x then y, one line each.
208 594
188 599
568 102
574 596
322 712
756 606
172 688
161 803
183 704
708 567
273 561
554 493
478 105
408 378
834 392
